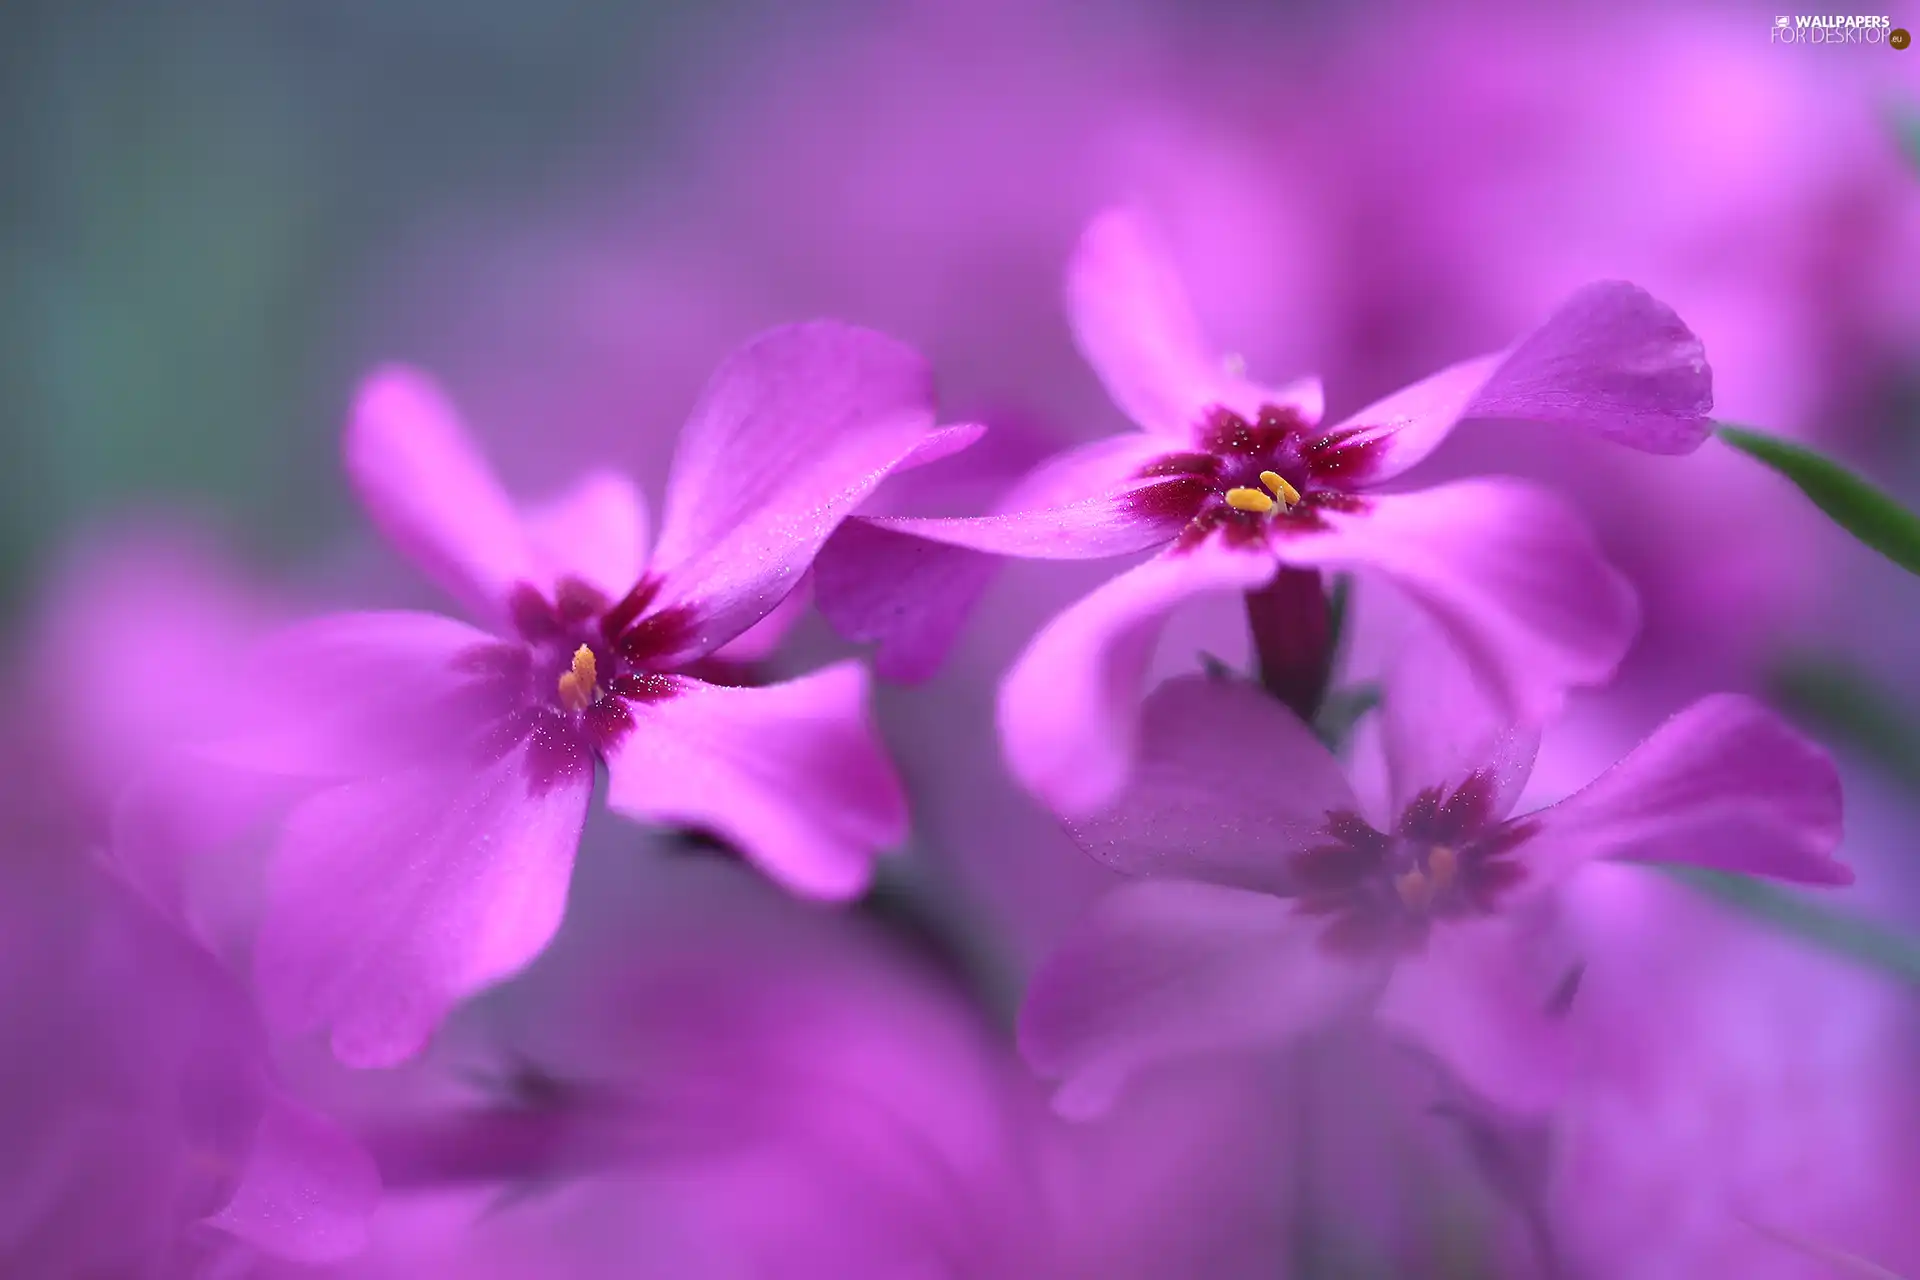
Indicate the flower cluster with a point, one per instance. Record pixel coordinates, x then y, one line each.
349 841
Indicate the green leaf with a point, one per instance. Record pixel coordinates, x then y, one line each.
1862 509
1866 943
1848 708
1342 711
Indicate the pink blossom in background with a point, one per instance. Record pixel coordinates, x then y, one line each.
1259 909
147 1131
746 1085
439 773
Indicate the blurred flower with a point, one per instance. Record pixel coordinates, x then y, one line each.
1260 908
439 774
147 1131
1239 479
736 1084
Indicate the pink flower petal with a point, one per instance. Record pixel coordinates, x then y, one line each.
1612 360
1086 503
792 774
763 639
1202 802
1069 708
791 434
1507 569
1725 784
393 897
307 1190
1481 1000
595 532
1165 969
905 595
1438 724
1136 327
908 586
348 694
427 488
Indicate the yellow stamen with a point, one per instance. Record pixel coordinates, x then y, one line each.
1415 889
1441 865
578 686
1281 489
1249 500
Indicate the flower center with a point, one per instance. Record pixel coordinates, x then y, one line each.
1420 884
1447 857
1254 502
579 683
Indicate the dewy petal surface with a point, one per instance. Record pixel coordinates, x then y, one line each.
1725 784
1164 969
1611 360
595 532
1136 327
1228 784
1507 569
427 488
307 1190
791 434
394 896
1069 708
792 774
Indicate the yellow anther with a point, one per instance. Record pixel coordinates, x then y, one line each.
578 685
1249 500
1415 889
1281 489
1441 865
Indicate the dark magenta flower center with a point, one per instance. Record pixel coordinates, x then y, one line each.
567 686
1446 857
1273 476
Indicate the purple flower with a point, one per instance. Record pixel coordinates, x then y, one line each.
440 773
1234 480
1268 897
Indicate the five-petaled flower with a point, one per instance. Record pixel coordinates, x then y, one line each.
440 774
1267 897
1236 480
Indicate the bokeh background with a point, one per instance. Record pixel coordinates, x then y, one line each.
217 217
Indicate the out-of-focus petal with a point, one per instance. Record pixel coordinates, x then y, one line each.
791 434
394 896
596 532
1166 969
907 586
1135 326
903 594
1093 501
307 1189
792 774
1477 999
1725 784
1227 784
1507 569
1438 724
1069 708
1612 360
427 488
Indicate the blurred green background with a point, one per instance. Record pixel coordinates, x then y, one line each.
197 201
